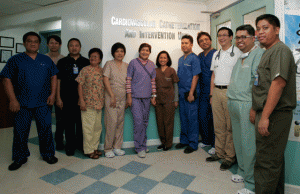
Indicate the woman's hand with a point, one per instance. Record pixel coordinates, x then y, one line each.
128 102
82 105
176 104
153 101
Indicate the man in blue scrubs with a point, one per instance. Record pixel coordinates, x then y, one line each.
188 73
30 83
205 113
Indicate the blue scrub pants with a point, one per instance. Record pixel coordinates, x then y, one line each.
22 125
189 122
206 121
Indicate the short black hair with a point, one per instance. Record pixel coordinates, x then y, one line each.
248 28
96 50
230 33
145 45
169 58
272 19
116 46
55 37
202 34
186 36
31 34
76 39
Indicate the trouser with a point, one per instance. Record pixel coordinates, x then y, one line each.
243 133
189 122
71 118
140 109
114 125
22 123
165 122
269 165
91 128
59 133
206 127
222 125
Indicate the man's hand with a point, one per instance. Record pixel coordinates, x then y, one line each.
263 126
59 103
176 104
191 98
153 101
14 106
252 116
51 100
113 102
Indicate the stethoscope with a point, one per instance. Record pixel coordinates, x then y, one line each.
219 53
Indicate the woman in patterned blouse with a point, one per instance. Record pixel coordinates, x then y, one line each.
91 100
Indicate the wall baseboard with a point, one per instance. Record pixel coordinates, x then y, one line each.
291 189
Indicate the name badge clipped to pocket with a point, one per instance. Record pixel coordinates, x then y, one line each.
75 69
256 80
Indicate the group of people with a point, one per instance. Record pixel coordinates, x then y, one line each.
239 99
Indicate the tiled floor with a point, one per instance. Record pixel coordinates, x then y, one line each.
160 172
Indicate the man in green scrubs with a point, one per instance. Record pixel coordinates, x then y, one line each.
274 98
239 104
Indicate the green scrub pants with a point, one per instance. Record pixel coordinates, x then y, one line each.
243 133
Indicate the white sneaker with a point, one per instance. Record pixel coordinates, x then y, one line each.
142 154
109 154
119 152
202 145
147 150
212 151
237 178
245 191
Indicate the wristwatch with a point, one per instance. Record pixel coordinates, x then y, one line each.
153 96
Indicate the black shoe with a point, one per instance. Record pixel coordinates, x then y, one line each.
51 160
70 152
213 158
167 148
16 165
60 146
180 145
226 165
188 150
160 147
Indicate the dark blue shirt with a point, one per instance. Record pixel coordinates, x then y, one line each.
31 79
187 69
205 77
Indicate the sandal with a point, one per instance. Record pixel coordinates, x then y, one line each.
237 178
92 156
98 152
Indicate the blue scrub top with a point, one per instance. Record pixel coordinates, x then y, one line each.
31 79
187 69
205 64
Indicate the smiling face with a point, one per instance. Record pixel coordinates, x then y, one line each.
267 34
144 53
163 59
119 54
95 59
53 45
224 38
32 44
204 42
74 47
244 41
186 46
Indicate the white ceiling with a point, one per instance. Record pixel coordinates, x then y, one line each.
11 7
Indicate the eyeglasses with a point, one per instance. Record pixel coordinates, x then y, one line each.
220 36
241 37
32 42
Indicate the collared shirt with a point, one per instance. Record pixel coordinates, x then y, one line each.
56 59
205 76
141 86
31 79
187 69
223 65
276 61
243 76
92 86
67 76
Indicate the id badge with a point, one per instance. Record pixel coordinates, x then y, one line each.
256 80
75 70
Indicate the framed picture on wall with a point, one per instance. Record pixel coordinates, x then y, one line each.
7 42
5 55
20 48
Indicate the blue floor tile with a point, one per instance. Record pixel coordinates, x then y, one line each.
58 176
179 179
135 167
98 187
140 185
189 192
98 172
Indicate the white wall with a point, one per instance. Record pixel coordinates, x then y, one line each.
47 26
216 5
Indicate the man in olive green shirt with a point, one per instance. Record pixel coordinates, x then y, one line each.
274 98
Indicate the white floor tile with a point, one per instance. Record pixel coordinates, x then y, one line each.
122 191
157 173
118 178
76 183
165 189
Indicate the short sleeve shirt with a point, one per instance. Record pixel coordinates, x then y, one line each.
92 85
276 61
222 66
141 86
243 76
187 69
31 79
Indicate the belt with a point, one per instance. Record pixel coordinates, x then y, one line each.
222 87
